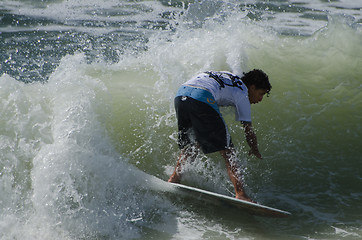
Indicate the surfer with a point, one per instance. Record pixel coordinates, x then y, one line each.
201 125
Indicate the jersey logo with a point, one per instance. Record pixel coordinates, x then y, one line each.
236 81
210 100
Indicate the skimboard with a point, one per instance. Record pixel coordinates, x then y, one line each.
219 199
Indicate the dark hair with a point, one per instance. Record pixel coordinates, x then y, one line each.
258 78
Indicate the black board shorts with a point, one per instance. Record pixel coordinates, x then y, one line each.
208 125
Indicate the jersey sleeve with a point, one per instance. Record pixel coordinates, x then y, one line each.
242 108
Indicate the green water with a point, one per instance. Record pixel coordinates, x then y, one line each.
86 96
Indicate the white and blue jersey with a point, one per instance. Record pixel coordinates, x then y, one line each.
219 89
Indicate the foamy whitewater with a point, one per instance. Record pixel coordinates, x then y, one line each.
88 129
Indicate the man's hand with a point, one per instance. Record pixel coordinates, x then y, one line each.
255 153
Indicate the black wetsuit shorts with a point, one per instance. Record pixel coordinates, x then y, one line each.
207 124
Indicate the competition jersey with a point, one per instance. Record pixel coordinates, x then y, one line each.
227 90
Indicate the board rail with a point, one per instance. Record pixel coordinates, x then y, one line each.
253 208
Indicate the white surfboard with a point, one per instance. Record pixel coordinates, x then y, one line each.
219 199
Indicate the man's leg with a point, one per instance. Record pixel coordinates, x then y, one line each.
188 153
234 173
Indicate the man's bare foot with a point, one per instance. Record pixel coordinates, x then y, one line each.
174 178
244 197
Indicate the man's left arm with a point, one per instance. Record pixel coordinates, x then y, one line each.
251 139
